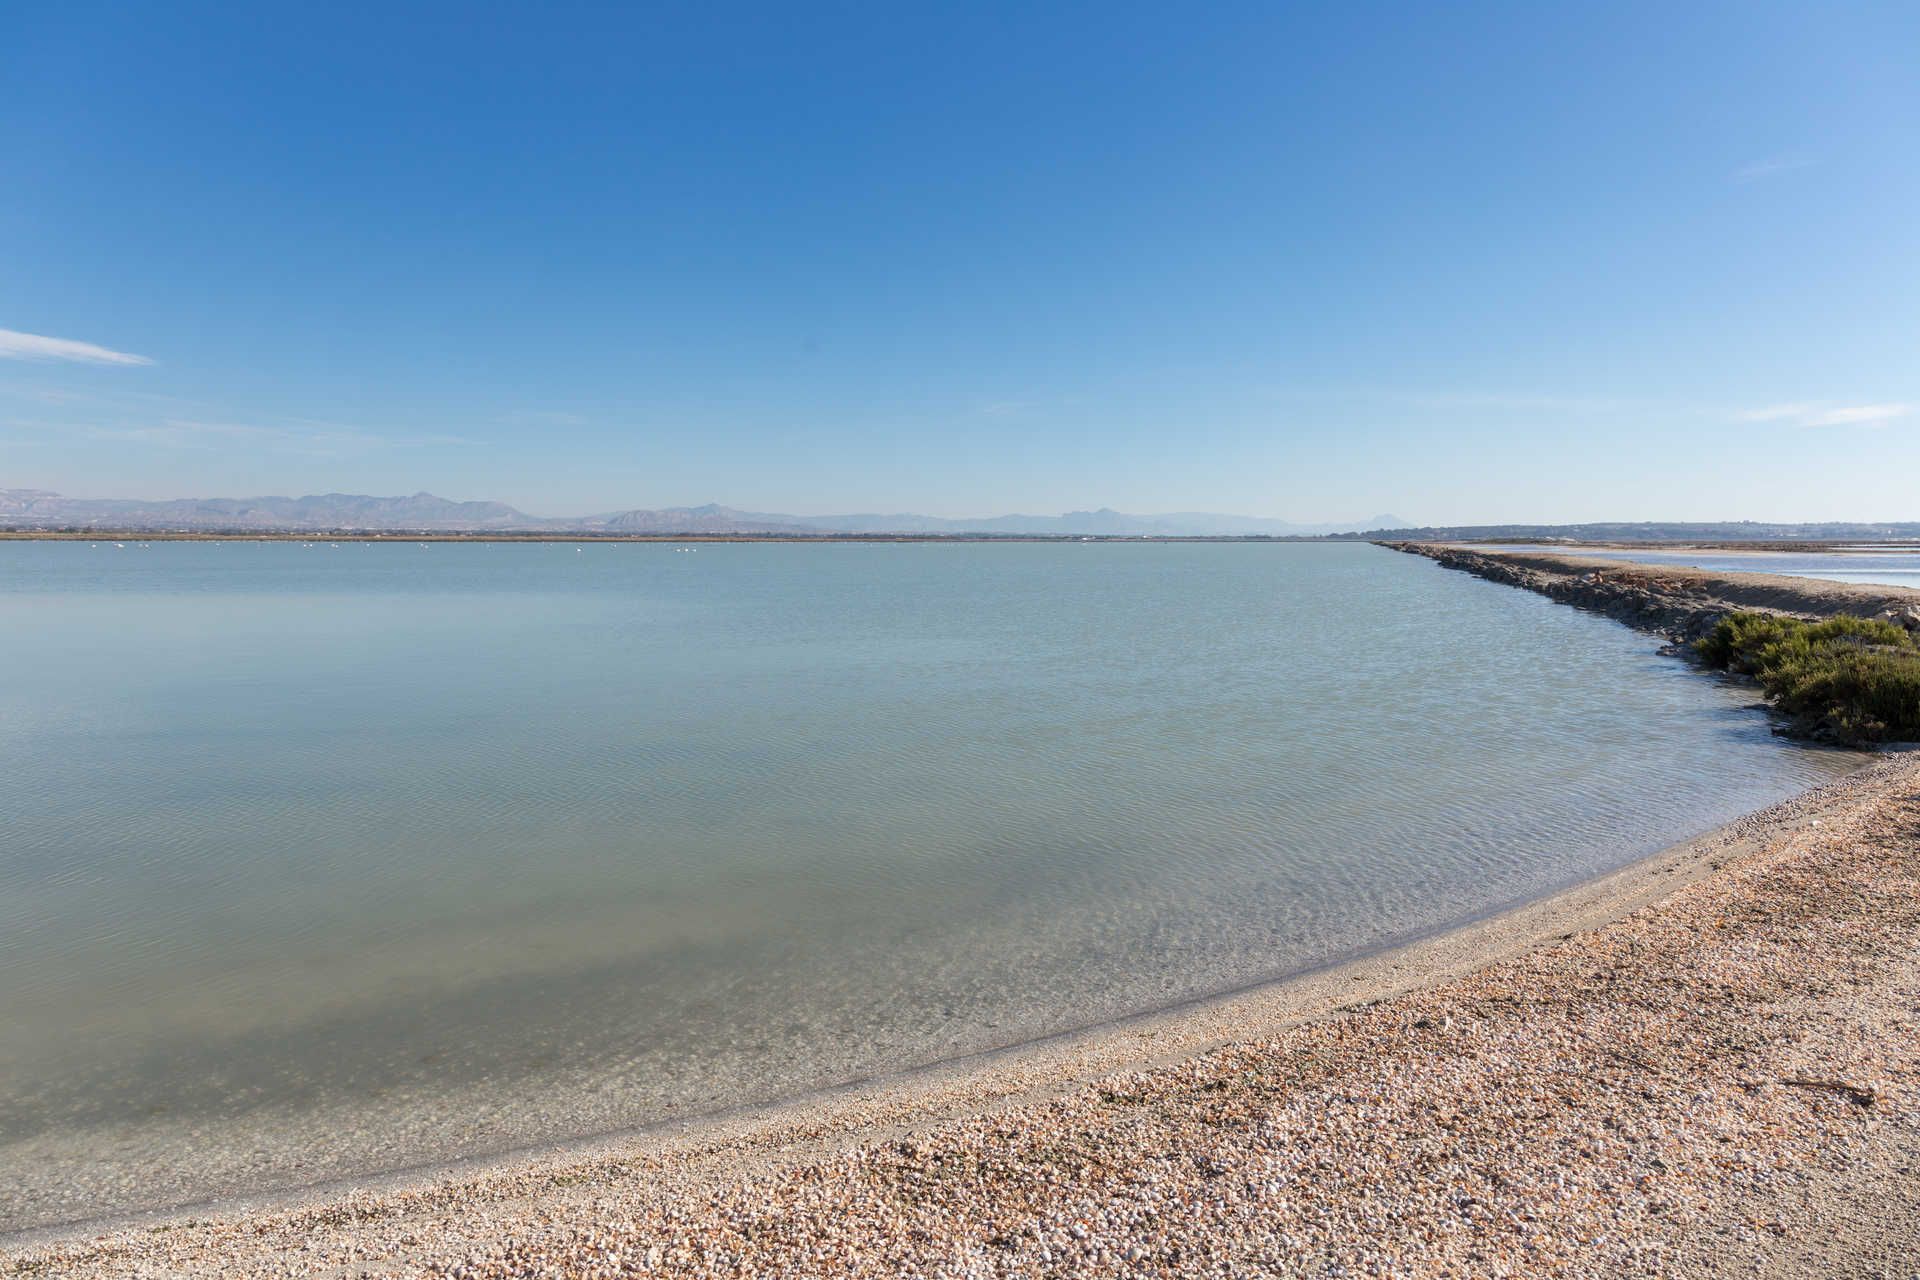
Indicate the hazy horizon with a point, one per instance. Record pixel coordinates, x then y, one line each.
898 509
1472 266
788 509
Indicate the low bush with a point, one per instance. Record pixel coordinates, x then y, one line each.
1846 679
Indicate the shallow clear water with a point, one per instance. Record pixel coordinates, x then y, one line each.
319 860
1887 566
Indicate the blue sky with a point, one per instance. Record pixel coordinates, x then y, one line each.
1471 262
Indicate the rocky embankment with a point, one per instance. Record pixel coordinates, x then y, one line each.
1678 602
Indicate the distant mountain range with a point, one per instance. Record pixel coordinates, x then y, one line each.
424 512
1104 522
41 508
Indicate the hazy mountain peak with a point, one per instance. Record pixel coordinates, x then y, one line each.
42 508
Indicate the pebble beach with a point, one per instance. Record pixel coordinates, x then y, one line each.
1704 1064
759 642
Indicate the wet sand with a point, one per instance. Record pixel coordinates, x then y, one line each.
1702 1064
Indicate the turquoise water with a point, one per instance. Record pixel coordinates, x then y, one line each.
321 859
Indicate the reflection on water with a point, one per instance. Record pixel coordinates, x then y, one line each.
323 859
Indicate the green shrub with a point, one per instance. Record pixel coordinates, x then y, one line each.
1848 679
1739 635
1863 696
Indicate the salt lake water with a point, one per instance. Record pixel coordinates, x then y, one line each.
325 859
1888 565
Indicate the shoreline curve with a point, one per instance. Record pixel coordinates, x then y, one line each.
758 1142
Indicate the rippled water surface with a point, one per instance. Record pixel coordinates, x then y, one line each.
326 859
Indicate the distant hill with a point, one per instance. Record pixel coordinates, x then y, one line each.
39 508
424 512
711 518
1104 522
1653 531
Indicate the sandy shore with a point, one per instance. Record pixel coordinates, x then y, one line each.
1703 1064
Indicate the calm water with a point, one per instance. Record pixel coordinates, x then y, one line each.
1888 566
320 860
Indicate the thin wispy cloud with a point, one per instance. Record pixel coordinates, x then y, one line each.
1015 406
1515 402
318 438
1776 413
1772 167
1860 415
1828 415
1493 401
311 439
1007 408
544 418
15 345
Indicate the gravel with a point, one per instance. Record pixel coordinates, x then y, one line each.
1703 1066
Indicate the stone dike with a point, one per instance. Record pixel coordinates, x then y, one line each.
1678 602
